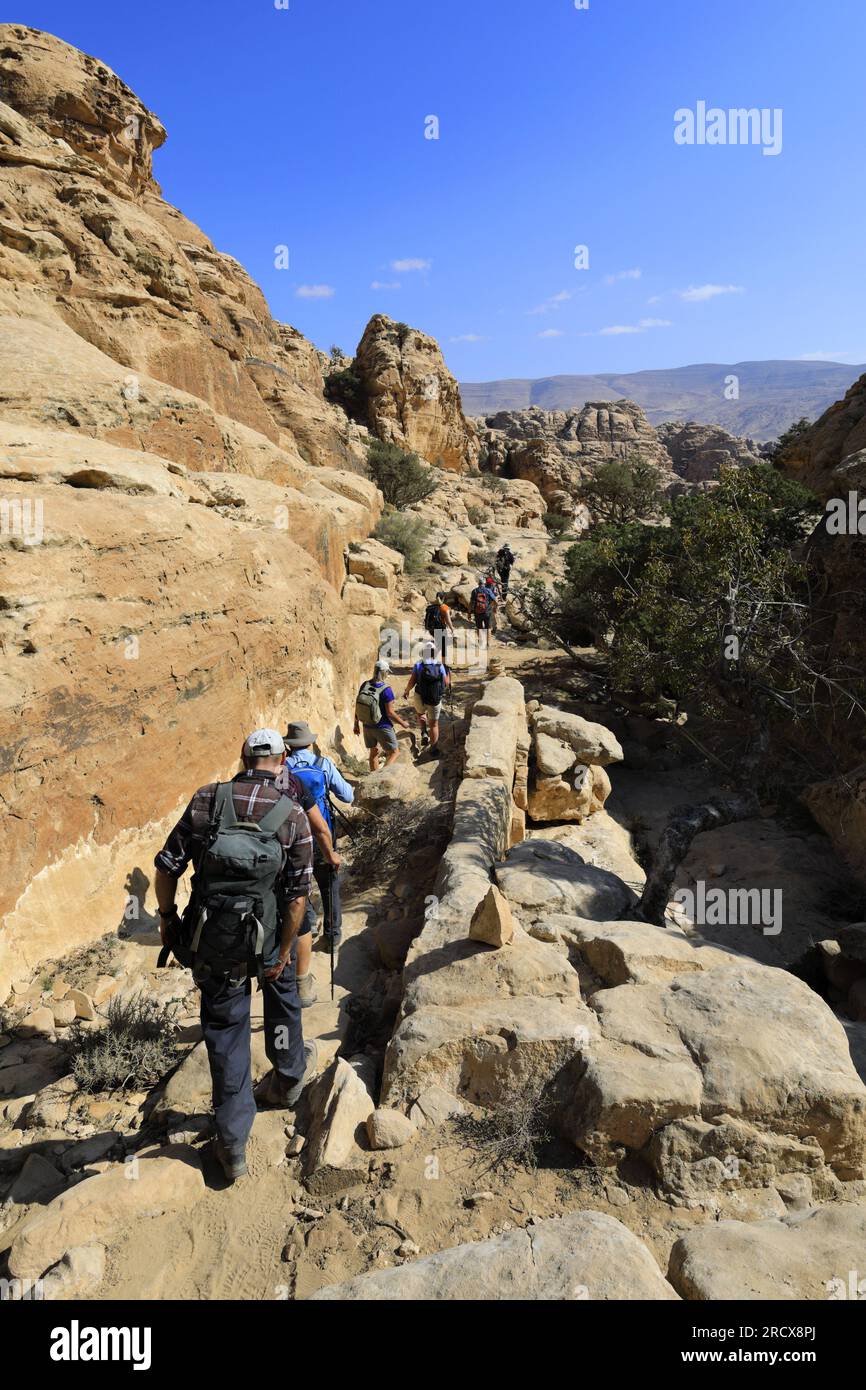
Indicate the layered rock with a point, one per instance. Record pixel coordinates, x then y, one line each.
177 496
411 398
698 452
568 781
558 450
830 458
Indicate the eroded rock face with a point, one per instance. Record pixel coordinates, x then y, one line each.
558 449
177 497
830 458
698 452
412 399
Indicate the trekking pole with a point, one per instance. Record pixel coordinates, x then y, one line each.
328 905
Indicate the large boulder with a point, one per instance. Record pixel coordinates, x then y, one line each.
815 1254
341 1103
733 1042
585 1256
102 1207
540 877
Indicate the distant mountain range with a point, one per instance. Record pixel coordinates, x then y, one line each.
772 395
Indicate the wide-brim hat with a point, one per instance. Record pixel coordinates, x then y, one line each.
299 735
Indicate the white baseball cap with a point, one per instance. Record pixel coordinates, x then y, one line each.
383 666
263 743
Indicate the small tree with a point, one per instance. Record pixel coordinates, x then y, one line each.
557 524
791 436
623 490
399 474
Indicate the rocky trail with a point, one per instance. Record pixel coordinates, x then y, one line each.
292 1228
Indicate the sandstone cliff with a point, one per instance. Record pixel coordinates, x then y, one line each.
177 497
830 458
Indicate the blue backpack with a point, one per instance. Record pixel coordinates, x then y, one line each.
313 778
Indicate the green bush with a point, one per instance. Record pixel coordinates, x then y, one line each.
477 515
557 524
493 482
132 1052
406 534
623 490
399 474
345 389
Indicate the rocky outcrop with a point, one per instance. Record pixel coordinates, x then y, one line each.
558 450
814 1254
410 396
830 458
177 496
568 781
698 452
584 1256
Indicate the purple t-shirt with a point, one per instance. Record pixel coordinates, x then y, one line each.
387 695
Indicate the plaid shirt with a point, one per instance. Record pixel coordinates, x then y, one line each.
253 795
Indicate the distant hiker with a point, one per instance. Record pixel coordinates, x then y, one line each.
438 622
505 558
427 685
482 606
376 715
252 853
320 778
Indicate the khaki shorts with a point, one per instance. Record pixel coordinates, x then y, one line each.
432 711
379 738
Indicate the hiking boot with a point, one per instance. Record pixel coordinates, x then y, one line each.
307 989
425 738
311 1059
232 1161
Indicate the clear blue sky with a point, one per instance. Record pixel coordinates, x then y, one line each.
305 127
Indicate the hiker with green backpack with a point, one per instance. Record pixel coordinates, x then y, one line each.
376 715
320 777
427 685
252 852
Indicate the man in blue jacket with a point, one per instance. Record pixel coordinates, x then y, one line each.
320 777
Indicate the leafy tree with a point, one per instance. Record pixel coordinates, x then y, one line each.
623 490
791 436
399 474
712 610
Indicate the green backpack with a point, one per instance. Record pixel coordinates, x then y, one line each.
232 912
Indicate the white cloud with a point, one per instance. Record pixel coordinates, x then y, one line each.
551 333
385 285
696 294
467 338
623 275
553 302
655 299
641 327
411 263
315 291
